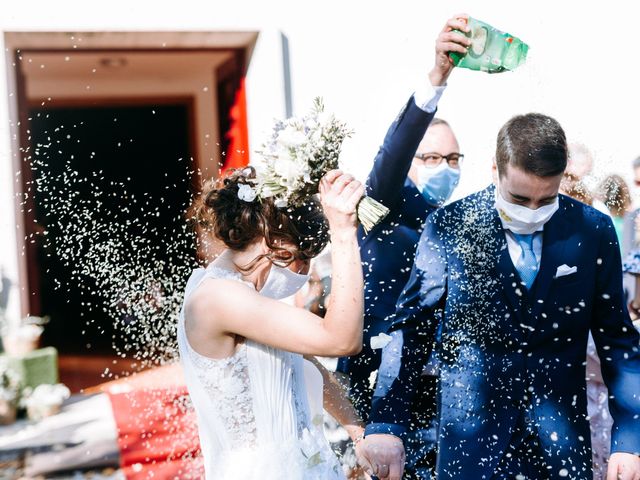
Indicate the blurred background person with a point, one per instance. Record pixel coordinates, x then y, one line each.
314 296
631 266
613 191
574 188
579 169
630 229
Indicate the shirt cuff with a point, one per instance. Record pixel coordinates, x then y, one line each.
427 96
388 428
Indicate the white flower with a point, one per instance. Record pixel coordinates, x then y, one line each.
246 193
281 202
291 136
299 151
289 170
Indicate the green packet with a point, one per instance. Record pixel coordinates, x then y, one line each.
491 50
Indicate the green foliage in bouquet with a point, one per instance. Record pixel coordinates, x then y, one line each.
299 153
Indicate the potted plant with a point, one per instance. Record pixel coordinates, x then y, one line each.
44 400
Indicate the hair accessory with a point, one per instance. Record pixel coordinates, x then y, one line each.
246 192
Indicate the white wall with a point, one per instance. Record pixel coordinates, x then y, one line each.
365 57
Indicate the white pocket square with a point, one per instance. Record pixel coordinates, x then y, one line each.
380 341
564 270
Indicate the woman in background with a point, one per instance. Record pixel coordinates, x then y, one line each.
614 192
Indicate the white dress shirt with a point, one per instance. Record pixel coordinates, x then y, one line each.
427 96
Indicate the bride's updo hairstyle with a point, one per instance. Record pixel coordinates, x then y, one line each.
291 233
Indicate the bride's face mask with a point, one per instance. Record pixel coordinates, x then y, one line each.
282 282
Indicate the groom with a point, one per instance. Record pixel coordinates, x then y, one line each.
514 277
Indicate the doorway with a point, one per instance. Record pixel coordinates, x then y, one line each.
111 185
113 136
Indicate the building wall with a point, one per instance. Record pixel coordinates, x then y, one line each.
364 58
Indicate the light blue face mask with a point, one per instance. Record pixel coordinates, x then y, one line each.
437 183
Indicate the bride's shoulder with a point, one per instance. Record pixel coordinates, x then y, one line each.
220 288
214 293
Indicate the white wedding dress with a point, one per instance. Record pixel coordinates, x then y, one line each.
259 411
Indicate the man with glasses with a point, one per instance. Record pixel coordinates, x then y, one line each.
415 172
434 173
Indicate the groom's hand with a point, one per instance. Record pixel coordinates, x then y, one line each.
382 455
449 41
623 466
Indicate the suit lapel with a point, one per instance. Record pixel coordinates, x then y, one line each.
554 243
514 292
513 289
527 308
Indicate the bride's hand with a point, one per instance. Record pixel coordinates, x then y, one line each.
340 194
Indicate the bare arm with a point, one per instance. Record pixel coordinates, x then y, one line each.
222 307
337 403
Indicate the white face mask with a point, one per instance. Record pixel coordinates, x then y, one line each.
282 283
523 220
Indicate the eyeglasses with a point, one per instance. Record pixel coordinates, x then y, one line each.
432 159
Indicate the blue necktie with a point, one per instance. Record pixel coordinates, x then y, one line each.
527 265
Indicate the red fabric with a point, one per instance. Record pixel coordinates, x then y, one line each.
237 155
157 434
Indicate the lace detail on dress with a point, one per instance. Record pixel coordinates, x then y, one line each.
226 381
250 390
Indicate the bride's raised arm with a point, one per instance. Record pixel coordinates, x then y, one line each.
223 308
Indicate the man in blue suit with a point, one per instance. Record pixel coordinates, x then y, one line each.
515 277
413 174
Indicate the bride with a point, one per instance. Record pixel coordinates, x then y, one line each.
247 357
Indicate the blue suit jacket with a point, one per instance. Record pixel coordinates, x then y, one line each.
502 348
387 251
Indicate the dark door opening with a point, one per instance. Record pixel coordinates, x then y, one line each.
110 186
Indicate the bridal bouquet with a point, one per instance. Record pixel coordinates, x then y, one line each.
296 157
